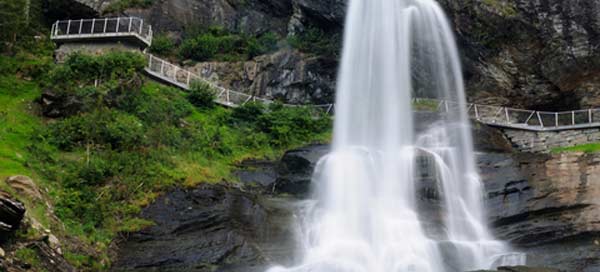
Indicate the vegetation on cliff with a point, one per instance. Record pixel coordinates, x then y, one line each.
121 140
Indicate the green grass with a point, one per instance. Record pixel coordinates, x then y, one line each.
587 148
30 256
425 105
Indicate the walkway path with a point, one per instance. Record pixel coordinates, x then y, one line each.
131 27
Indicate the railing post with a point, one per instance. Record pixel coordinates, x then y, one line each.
556 118
141 26
118 22
52 30
507 116
227 96
68 27
476 112
162 67
573 117
188 78
130 21
590 116
105 23
150 62
540 118
56 28
93 25
80 26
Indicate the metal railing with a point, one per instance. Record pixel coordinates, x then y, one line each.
184 79
102 28
491 115
526 119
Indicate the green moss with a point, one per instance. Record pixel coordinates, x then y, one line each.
587 148
505 8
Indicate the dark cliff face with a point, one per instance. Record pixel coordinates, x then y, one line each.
539 54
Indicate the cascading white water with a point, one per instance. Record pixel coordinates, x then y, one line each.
367 217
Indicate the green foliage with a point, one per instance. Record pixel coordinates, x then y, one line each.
122 5
202 95
587 148
316 41
425 105
29 256
128 142
162 45
109 128
219 44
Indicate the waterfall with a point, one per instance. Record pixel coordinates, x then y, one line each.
367 215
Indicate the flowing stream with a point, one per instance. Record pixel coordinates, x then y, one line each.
368 214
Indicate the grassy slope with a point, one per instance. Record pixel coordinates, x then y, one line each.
21 128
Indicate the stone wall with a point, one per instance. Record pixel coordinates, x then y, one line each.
545 141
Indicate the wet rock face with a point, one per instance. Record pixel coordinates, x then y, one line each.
548 205
210 228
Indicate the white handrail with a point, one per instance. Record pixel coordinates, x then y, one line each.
102 27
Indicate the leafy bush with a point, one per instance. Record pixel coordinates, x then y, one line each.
86 68
219 44
316 41
162 45
122 5
202 95
107 128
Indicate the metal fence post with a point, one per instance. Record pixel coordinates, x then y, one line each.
556 118
573 117
540 118
93 25
105 23
590 116
118 22
68 27
80 26
141 26
162 67
130 22
507 116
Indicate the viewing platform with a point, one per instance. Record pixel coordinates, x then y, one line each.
130 29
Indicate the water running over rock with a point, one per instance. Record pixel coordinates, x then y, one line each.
366 216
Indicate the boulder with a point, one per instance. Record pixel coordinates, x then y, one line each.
57 106
11 215
25 186
296 169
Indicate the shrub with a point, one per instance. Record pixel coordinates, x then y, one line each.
219 44
202 95
122 5
249 112
316 41
162 45
108 128
86 68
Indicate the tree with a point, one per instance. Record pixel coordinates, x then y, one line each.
14 20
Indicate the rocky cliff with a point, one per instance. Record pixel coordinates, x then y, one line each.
542 54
